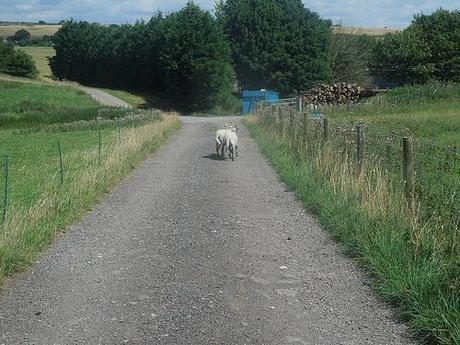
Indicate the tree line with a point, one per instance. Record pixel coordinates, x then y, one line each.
199 60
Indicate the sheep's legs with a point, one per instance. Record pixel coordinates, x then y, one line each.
223 152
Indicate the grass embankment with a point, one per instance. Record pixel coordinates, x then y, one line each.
416 264
29 104
39 205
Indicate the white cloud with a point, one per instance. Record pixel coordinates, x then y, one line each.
374 13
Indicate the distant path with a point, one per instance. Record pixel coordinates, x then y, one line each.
104 98
194 250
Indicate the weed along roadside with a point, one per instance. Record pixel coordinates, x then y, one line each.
379 215
53 173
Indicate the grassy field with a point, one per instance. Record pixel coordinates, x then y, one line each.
40 56
412 250
36 30
429 112
39 205
34 104
357 30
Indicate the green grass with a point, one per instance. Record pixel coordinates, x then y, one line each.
40 56
429 112
411 269
32 104
34 118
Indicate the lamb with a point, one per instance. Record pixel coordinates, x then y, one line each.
230 143
220 135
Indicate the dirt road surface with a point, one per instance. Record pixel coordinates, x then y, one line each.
194 250
104 98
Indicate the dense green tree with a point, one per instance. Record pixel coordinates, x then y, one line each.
21 35
16 62
196 60
21 64
428 49
276 44
184 54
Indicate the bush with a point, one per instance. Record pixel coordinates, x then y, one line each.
22 65
16 62
429 49
21 37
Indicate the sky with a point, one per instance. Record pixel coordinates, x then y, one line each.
370 13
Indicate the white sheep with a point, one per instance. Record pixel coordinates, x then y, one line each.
220 137
230 143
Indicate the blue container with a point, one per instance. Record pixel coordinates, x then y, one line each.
250 97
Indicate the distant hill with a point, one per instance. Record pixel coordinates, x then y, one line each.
359 30
36 30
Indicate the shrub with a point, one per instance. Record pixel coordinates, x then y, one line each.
16 62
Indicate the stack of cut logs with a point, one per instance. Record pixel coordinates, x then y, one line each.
337 93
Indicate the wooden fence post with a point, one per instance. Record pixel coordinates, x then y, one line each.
408 171
61 165
360 147
299 104
5 189
325 129
99 140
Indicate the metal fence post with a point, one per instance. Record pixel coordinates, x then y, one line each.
61 165
408 171
360 147
5 189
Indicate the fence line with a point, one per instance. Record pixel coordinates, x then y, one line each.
127 121
428 173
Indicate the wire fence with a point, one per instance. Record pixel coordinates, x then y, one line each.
426 173
31 159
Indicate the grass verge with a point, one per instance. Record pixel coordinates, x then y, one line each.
367 218
40 206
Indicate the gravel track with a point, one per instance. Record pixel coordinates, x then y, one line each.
194 250
104 98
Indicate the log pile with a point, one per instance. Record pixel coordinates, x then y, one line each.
336 93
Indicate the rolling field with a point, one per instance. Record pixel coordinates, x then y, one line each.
33 119
25 105
36 30
40 56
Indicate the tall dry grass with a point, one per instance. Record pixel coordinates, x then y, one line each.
29 229
415 263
